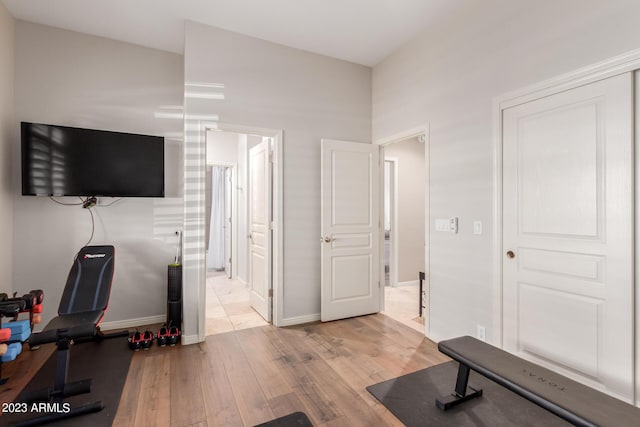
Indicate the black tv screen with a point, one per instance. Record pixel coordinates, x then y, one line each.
67 161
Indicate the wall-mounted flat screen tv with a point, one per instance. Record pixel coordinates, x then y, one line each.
67 161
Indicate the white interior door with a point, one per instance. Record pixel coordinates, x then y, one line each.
568 233
227 222
259 229
390 225
350 229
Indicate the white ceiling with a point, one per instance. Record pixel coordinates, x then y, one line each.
360 31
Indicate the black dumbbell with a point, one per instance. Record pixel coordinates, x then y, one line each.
30 299
17 302
39 294
174 334
135 341
163 336
25 302
9 309
147 340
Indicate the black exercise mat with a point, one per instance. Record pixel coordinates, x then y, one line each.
105 362
412 399
297 419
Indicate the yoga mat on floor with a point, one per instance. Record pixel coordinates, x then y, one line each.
297 419
105 362
412 399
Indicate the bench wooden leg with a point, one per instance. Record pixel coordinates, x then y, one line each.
460 394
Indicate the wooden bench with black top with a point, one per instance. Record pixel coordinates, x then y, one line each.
574 402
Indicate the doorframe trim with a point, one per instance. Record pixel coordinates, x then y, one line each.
620 64
406 134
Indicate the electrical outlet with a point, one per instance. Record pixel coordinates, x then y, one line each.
481 333
477 227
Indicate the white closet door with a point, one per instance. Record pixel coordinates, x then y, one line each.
568 233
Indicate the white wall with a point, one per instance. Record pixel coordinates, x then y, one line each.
6 136
448 77
222 147
69 78
308 96
411 174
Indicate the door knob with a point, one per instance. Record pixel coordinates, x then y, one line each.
326 239
510 254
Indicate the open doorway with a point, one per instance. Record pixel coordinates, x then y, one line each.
232 275
404 247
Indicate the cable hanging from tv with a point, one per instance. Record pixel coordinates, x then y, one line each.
88 203
67 204
93 227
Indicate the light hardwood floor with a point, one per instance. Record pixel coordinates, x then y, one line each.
246 377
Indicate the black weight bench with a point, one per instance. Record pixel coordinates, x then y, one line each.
568 399
83 305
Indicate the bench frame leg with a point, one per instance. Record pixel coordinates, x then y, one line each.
60 390
461 393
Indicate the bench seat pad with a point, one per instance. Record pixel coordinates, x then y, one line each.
77 325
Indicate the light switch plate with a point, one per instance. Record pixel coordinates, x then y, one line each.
453 224
442 224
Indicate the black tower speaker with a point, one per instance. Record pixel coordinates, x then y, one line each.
174 296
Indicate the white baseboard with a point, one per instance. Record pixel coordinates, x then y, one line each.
432 337
407 283
291 321
190 339
132 323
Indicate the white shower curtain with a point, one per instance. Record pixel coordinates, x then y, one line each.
216 257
